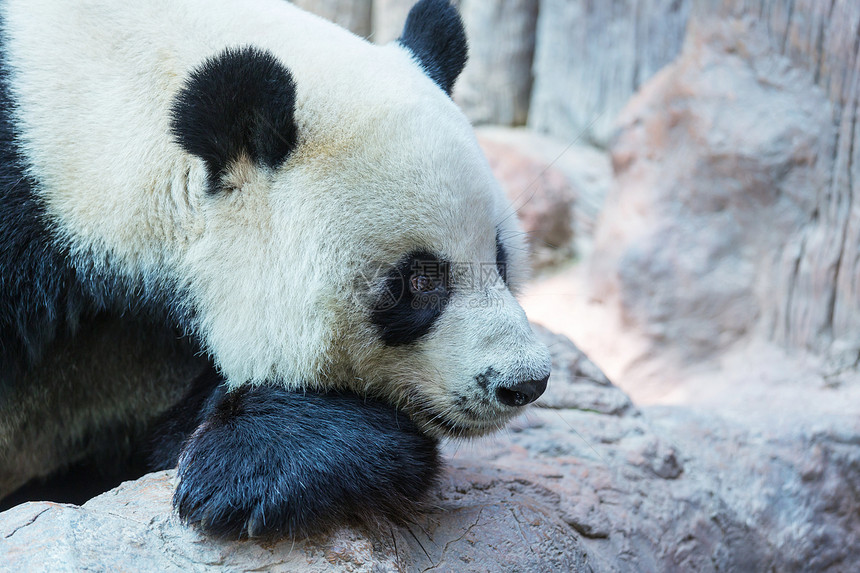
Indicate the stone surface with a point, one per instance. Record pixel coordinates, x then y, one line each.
583 482
796 487
591 57
729 216
817 305
132 528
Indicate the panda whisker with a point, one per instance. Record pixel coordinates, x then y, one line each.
418 541
457 449
530 234
394 541
515 233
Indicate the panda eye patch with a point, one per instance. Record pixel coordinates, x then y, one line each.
414 294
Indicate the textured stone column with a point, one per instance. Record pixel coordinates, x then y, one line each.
592 56
496 84
388 19
354 15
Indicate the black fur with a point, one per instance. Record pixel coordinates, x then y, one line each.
117 459
404 315
501 259
435 35
170 432
48 300
240 102
44 293
267 462
39 295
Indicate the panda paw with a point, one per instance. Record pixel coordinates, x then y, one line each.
267 462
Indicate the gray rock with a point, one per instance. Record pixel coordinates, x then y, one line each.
719 225
795 484
133 528
478 525
578 384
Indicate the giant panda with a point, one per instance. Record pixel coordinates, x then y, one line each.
237 238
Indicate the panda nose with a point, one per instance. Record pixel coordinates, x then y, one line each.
522 393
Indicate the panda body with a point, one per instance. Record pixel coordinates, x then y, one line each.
210 208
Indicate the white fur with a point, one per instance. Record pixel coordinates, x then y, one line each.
386 164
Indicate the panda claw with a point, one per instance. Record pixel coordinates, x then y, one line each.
256 525
267 462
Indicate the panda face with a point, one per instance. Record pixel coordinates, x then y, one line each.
394 275
416 266
450 344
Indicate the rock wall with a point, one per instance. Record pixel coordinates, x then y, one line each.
495 87
564 67
354 15
818 273
735 207
592 56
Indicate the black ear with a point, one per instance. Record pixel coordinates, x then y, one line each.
238 104
434 34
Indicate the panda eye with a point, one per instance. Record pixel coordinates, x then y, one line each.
422 283
413 296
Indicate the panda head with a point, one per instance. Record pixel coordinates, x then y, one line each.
349 232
